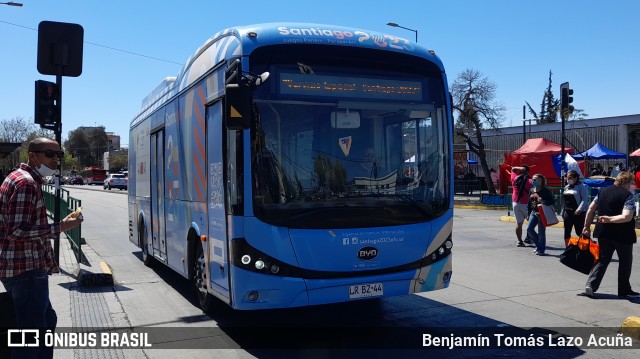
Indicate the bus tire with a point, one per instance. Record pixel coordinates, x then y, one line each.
199 278
147 259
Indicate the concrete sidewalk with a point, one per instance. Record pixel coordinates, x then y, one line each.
81 298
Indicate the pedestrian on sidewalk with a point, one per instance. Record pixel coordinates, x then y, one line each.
615 231
539 194
575 202
26 255
495 178
521 185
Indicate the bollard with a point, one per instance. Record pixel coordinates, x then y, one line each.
631 327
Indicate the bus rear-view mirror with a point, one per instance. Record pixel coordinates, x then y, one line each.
345 119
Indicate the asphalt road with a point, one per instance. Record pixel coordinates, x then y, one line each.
497 288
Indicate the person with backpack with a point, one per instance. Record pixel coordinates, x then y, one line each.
521 184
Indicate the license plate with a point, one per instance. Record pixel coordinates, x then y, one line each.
365 290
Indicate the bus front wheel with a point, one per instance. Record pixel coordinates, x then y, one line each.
199 280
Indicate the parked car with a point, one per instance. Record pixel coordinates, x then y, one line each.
115 180
77 180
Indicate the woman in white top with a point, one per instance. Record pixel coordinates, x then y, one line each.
575 202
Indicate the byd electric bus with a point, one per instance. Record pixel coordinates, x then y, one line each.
297 164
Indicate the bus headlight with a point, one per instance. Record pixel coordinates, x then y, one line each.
249 258
443 251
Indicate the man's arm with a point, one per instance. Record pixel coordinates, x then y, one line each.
626 216
591 212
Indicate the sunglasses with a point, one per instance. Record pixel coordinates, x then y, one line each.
51 153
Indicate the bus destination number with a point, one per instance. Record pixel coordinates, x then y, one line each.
365 290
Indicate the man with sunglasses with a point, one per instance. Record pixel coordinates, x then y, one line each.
26 255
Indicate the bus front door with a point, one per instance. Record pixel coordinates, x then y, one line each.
218 241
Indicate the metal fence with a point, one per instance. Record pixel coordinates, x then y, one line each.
68 204
471 187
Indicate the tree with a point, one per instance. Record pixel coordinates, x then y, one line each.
87 145
119 160
18 130
578 115
474 102
549 108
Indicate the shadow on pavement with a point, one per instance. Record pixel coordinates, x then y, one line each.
355 329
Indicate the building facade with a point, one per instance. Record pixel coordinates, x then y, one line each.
620 133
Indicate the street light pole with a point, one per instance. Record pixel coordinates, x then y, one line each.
524 131
393 24
11 3
524 128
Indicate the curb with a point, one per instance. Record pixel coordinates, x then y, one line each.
88 278
482 207
88 274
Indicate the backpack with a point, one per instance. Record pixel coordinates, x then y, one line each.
520 182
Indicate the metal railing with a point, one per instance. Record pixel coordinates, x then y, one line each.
68 204
471 187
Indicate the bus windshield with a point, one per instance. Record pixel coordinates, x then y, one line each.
345 146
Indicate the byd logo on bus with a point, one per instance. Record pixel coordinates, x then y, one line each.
367 253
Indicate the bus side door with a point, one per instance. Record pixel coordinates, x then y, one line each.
157 197
218 241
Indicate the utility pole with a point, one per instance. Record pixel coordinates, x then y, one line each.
60 54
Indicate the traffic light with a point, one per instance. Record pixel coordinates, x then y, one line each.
46 107
566 97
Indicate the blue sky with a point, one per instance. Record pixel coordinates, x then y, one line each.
593 45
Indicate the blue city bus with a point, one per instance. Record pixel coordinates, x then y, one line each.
297 164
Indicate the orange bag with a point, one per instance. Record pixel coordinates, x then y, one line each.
581 254
584 243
